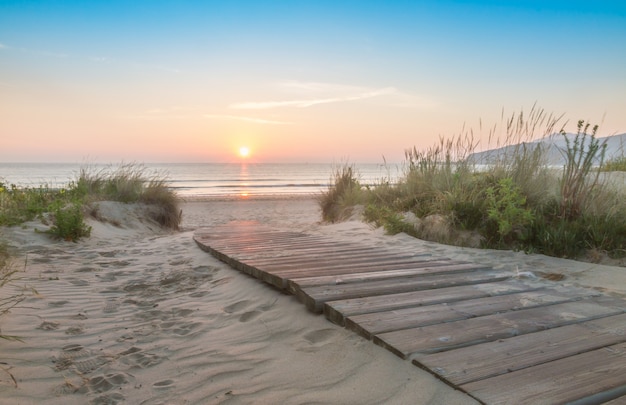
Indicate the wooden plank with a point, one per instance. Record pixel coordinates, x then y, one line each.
430 267
323 267
583 378
283 256
248 247
328 263
242 238
315 297
451 335
368 325
295 255
302 272
487 360
337 310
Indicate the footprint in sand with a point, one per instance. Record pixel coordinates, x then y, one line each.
319 336
182 312
185 328
78 357
107 382
237 306
178 261
45 325
109 399
248 316
74 330
163 385
137 358
110 306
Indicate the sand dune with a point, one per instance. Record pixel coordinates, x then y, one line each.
133 316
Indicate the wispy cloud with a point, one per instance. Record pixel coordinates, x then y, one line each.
3 46
247 119
313 101
319 87
341 92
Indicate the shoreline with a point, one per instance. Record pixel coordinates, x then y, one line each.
249 197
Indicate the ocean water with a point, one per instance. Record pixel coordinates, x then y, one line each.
208 179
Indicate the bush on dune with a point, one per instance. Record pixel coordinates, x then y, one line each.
65 208
131 183
513 201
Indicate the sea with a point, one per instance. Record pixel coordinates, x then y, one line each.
191 180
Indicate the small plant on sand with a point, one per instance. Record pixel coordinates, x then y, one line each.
506 206
68 222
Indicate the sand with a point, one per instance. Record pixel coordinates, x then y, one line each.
138 315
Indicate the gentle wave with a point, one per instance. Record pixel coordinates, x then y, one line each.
207 179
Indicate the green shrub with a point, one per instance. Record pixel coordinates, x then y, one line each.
506 206
18 205
68 222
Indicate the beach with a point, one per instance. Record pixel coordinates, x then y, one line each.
135 314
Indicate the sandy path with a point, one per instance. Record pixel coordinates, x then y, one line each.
130 316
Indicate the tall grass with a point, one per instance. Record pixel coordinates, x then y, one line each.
344 192
132 183
578 184
513 200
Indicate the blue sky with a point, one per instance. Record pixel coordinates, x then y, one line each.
295 80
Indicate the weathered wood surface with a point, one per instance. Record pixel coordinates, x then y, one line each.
370 324
338 310
500 339
502 356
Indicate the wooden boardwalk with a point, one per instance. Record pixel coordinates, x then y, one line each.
498 338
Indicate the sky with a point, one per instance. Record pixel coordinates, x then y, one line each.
296 81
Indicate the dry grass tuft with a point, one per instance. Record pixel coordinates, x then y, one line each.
130 183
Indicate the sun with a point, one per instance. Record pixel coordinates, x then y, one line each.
244 151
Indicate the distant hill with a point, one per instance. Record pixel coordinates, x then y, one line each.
554 147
